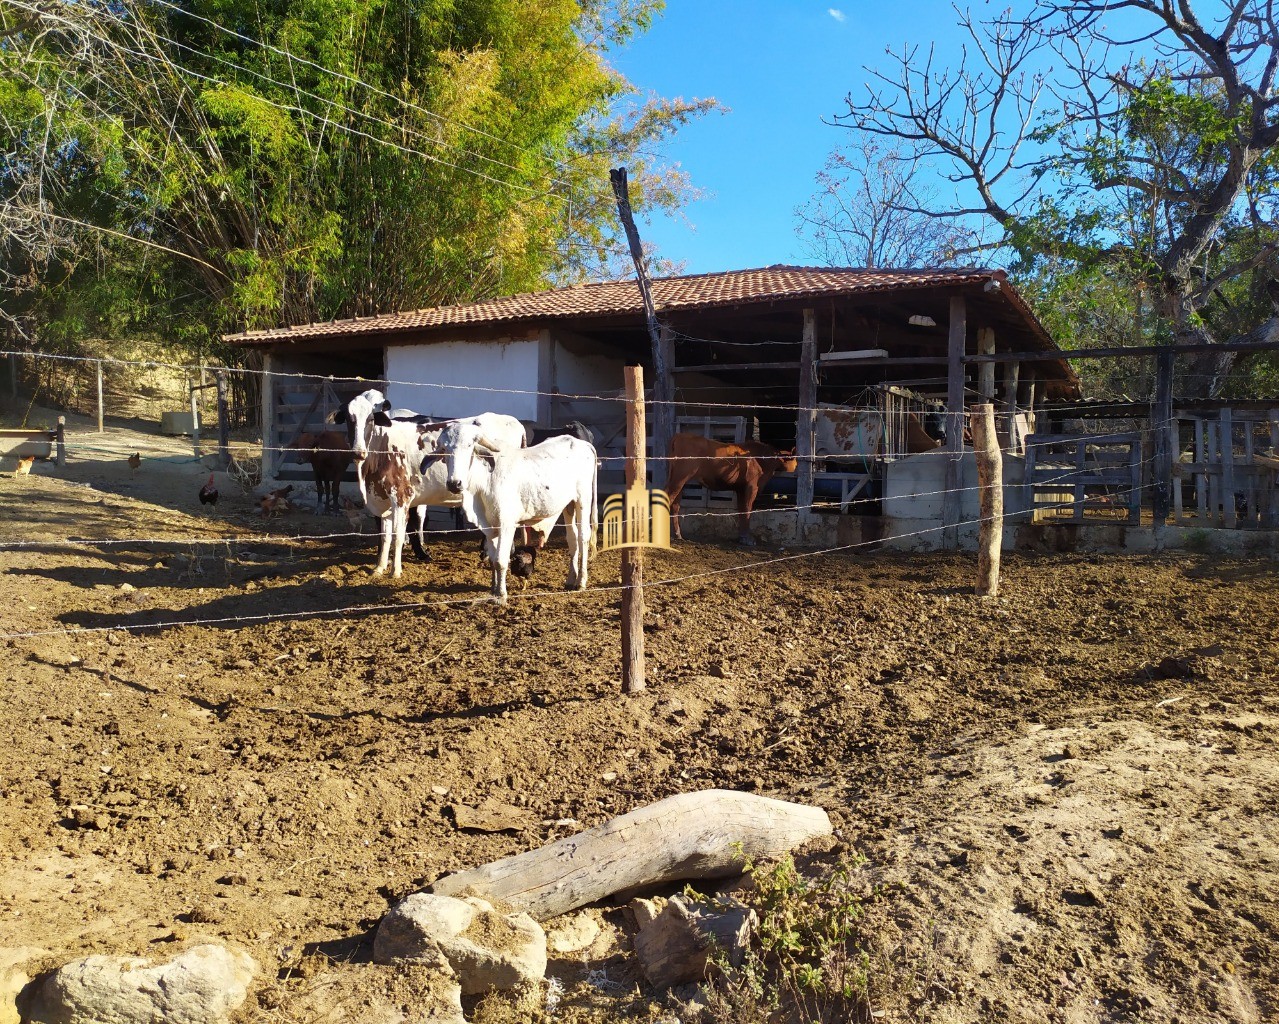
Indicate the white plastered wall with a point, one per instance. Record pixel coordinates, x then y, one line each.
497 376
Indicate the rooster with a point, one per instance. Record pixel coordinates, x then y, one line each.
209 493
24 465
134 461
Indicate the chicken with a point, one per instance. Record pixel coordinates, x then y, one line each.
276 502
209 493
523 562
24 465
134 460
354 514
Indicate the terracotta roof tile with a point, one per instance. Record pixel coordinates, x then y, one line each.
697 291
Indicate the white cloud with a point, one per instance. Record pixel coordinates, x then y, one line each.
837 14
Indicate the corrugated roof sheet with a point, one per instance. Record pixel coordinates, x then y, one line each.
696 291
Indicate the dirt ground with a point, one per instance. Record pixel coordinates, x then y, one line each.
1066 797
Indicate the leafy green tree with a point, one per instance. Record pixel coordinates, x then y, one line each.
1131 142
205 165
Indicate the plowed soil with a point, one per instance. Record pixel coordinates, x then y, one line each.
1067 794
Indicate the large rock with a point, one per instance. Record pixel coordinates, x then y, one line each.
678 945
486 950
202 986
13 979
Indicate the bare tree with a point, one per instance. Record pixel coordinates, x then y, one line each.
864 212
1132 132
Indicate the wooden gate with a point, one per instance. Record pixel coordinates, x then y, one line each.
1234 484
301 405
1074 472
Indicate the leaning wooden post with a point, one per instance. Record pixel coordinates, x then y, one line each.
990 481
224 422
633 558
62 441
101 430
660 341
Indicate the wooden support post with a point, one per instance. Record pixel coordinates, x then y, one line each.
266 413
664 393
195 420
1272 511
1228 469
101 428
662 344
990 480
1201 478
807 415
61 450
954 421
224 422
1161 426
633 558
1010 407
986 371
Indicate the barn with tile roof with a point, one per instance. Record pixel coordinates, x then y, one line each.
841 363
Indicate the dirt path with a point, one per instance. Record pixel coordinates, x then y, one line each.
1068 795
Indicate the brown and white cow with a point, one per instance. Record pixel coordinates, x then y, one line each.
720 466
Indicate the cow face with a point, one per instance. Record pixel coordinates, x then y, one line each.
787 461
358 415
457 444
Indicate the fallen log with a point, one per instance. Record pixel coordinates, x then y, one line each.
710 834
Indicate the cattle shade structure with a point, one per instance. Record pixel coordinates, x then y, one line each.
845 365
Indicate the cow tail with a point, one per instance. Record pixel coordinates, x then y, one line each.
595 490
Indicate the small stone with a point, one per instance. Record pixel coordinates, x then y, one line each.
573 934
609 777
127 588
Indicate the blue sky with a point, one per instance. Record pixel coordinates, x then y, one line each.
781 66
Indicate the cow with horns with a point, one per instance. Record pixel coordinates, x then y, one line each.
503 490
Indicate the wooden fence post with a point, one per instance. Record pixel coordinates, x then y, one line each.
1230 518
633 558
990 480
101 429
62 441
195 420
1161 427
224 422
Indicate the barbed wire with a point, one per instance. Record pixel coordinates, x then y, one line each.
285 539
400 606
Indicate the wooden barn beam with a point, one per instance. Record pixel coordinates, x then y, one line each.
986 371
807 415
954 420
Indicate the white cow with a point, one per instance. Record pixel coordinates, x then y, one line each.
388 452
504 490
